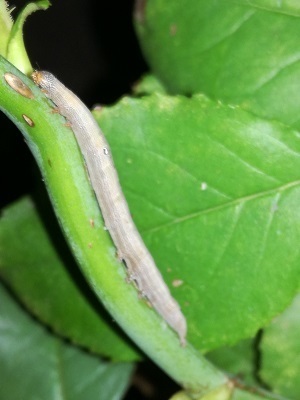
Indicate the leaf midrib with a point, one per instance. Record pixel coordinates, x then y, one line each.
222 206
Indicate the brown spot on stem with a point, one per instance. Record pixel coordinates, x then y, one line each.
28 120
18 85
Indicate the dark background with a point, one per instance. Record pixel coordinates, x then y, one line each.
91 47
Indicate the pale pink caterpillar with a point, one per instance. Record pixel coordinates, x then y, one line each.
104 179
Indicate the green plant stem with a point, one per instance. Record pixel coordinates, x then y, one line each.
55 150
16 52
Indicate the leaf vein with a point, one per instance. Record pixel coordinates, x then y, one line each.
246 163
267 230
234 29
226 243
189 174
152 204
274 73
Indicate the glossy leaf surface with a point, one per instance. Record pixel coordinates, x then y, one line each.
241 52
36 364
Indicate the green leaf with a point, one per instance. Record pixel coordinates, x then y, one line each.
280 349
5 26
241 52
36 364
147 85
47 280
16 52
238 360
215 193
